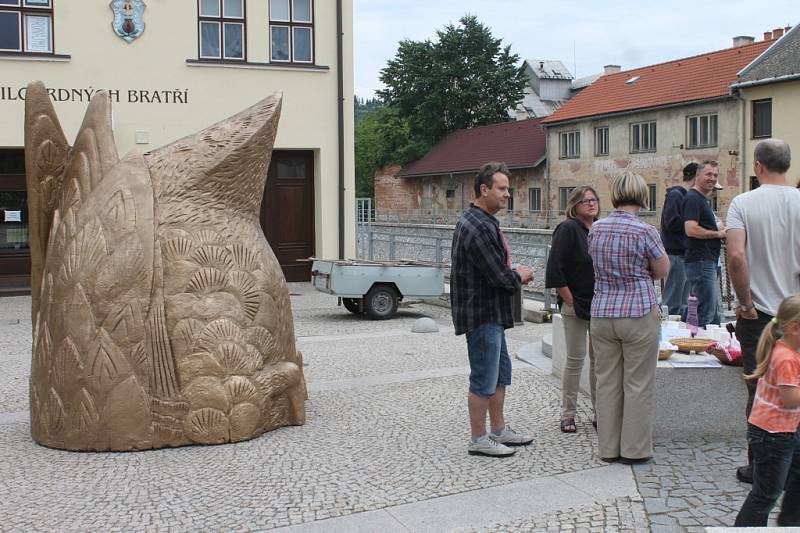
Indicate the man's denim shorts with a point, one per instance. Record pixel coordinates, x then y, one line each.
489 363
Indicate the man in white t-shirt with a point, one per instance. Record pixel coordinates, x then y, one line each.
763 241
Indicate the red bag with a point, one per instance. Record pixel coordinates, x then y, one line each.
728 353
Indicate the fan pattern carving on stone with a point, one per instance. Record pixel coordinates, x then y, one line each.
161 316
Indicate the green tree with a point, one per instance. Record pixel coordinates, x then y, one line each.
464 78
382 137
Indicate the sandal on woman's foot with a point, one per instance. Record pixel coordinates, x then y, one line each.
568 425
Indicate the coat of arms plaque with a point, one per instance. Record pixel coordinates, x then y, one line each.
128 22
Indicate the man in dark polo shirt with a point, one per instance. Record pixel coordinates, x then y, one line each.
482 285
676 288
704 241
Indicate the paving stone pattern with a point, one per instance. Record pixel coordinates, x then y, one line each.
624 515
366 446
691 485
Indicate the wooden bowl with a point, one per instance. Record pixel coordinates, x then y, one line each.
664 354
689 344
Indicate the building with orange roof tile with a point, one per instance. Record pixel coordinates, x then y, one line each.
654 120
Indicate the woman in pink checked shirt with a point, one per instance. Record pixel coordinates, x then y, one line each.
627 255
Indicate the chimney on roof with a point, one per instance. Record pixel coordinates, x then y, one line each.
541 65
777 33
786 29
767 35
612 69
741 40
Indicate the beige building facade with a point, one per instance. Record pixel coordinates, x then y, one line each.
608 145
779 105
769 90
196 62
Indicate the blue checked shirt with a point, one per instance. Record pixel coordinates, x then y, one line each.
481 283
622 247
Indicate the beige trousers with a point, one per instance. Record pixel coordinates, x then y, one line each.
626 354
575 330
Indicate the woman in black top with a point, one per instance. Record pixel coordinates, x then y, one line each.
570 272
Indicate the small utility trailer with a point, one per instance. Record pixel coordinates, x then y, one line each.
377 287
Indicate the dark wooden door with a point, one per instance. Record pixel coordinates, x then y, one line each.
287 211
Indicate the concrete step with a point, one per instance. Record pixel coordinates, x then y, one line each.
547 345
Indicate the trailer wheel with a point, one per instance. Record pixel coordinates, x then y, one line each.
381 302
352 304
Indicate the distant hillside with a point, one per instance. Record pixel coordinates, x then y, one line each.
365 106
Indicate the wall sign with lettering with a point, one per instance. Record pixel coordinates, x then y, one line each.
131 96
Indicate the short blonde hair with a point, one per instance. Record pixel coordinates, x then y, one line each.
575 198
629 188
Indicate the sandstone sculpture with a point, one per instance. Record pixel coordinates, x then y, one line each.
161 316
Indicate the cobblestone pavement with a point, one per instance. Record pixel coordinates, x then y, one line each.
625 515
691 485
386 428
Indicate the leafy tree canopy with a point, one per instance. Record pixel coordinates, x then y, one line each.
464 78
382 137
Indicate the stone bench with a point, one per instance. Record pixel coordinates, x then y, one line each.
689 402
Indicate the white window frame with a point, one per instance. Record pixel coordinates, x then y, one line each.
753 106
652 199
244 42
310 44
23 9
601 135
49 33
569 144
226 16
538 196
288 36
19 32
200 10
693 125
638 138
562 206
291 24
310 12
219 39
289 11
221 21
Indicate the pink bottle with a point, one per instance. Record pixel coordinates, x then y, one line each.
691 314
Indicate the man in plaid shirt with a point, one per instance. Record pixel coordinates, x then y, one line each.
482 285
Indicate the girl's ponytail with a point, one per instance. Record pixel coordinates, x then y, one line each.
765 344
788 311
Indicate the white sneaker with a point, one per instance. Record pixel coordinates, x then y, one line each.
509 437
489 447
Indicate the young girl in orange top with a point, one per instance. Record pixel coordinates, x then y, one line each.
773 424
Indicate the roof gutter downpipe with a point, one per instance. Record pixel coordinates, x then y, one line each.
743 183
340 101
547 175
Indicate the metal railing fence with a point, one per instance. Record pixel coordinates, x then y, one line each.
378 243
544 219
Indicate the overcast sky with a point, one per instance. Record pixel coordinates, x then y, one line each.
627 33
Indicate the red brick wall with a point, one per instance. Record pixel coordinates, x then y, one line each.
393 193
